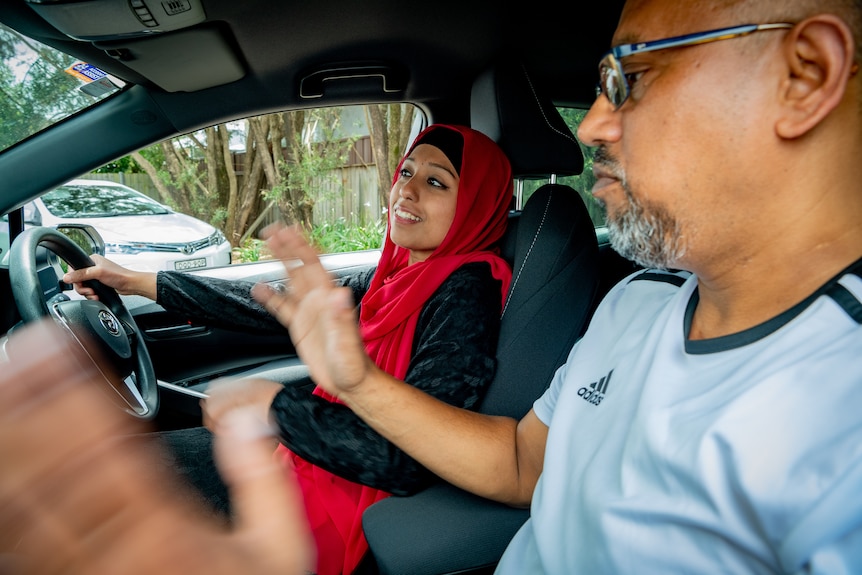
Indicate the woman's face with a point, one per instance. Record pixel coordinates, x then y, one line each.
422 201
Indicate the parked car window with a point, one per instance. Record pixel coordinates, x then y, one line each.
98 200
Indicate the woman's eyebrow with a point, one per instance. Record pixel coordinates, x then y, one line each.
435 164
444 168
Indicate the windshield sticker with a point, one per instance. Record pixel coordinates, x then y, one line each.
96 81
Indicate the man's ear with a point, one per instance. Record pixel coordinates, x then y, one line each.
819 52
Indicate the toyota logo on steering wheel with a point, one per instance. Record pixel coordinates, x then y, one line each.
109 322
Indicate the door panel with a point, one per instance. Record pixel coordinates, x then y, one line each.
187 356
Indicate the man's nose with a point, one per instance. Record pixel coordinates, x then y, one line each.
601 125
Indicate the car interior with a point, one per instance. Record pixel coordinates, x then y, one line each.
503 69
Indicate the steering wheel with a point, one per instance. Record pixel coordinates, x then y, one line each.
105 328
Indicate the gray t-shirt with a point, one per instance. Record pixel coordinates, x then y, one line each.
740 454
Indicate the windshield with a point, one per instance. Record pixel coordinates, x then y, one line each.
40 86
100 201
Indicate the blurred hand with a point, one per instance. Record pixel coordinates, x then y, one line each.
77 500
320 317
225 395
125 281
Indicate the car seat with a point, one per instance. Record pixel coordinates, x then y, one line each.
552 246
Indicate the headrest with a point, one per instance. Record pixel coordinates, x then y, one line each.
506 106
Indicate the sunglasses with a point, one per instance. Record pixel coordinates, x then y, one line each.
613 81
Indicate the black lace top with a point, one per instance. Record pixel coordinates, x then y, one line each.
453 360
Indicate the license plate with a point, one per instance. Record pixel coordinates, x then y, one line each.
190 264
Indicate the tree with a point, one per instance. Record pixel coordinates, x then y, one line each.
314 147
187 173
389 126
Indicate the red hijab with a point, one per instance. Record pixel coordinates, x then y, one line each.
387 322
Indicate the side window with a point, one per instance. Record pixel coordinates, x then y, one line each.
219 187
582 183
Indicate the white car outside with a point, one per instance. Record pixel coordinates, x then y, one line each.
139 232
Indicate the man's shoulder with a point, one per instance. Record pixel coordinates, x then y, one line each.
641 295
646 283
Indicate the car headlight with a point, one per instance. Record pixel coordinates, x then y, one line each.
217 238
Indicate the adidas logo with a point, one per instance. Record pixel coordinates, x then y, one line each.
595 392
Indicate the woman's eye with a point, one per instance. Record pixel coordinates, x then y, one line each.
436 183
404 173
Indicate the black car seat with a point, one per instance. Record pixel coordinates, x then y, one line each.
554 253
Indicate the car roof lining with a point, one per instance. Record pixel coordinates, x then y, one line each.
454 40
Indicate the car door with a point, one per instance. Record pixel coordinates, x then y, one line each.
188 355
346 226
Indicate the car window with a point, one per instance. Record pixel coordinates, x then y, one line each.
582 183
99 201
319 171
41 86
313 168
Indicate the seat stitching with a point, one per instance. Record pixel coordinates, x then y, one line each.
527 256
542 110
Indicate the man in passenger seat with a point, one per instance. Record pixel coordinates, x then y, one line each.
708 421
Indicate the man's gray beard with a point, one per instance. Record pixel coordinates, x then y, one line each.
646 234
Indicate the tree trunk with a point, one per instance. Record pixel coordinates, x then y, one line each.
295 205
259 128
404 129
251 195
376 119
252 188
389 126
165 195
175 169
230 224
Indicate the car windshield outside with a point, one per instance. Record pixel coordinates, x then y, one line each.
42 86
97 200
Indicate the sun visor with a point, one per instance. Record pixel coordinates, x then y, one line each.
165 41
196 59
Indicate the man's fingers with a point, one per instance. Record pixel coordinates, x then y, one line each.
44 363
301 260
278 304
56 429
268 507
287 243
